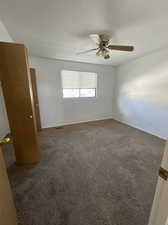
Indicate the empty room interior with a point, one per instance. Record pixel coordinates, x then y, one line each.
83 112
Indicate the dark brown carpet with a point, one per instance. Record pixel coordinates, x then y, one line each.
99 173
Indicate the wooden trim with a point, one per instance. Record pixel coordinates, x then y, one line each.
7 207
35 97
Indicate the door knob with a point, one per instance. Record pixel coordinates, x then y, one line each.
4 141
30 116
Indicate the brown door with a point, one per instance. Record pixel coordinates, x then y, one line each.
7 208
17 90
35 96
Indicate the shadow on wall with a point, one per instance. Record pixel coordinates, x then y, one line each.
141 93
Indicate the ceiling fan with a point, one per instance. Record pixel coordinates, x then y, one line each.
103 42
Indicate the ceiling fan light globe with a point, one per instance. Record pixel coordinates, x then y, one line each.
107 56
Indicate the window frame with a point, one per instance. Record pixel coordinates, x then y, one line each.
79 93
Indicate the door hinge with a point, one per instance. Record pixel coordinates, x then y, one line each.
4 141
163 173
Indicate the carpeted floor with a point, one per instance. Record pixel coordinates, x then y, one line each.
98 173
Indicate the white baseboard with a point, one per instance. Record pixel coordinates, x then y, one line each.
139 128
78 122
106 118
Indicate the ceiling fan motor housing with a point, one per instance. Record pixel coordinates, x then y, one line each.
104 37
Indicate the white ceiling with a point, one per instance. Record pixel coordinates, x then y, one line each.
60 28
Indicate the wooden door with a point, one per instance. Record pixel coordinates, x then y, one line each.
159 213
17 90
7 208
35 96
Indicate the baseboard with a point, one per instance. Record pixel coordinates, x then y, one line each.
106 118
79 122
139 128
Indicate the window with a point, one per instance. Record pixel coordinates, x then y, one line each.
77 84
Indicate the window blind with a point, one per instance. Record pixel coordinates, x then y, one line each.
77 79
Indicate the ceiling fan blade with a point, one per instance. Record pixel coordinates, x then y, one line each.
121 48
95 38
99 52
90 50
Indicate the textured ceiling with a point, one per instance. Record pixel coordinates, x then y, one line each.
60 28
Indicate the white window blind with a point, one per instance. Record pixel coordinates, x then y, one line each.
78 80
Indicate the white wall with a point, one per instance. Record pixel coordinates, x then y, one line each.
140 90
57 111
141 93
4 127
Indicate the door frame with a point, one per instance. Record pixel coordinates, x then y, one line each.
159 188
7 206
35 97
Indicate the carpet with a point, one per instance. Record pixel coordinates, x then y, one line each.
97 173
